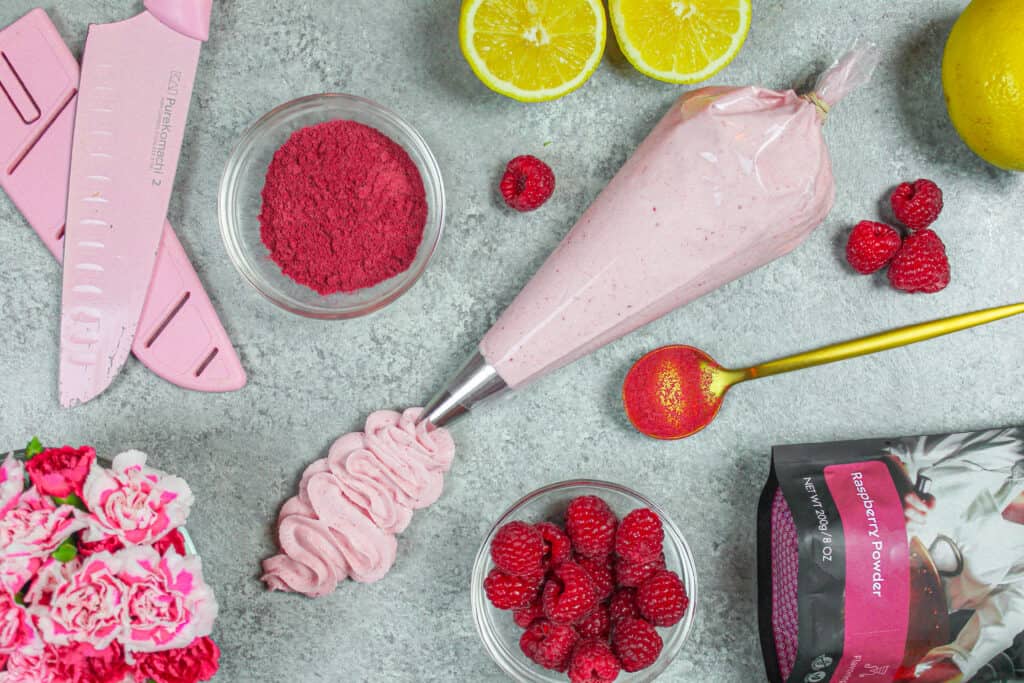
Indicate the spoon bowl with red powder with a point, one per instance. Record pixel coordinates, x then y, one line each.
331 206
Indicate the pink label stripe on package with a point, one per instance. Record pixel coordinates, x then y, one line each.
877 571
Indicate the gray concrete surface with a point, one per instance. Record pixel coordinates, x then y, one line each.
311 381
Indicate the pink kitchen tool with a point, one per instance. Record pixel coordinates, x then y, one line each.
134 93
179 336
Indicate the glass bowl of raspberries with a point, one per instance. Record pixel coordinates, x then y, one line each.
587 581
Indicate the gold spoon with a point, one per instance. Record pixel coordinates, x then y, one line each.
676 391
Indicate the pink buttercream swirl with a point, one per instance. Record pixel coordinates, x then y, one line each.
350 505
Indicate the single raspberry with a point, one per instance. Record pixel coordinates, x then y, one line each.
871 246
921 264
917 205
640 536
597 624
593 662
569 594
528 183
591 524
518 549
557 546
631 575
524 616
509 592
636 643
601 574
662 599
550 645
623 605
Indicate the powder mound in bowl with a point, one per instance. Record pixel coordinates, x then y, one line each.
344 207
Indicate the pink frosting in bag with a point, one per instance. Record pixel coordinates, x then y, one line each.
350 505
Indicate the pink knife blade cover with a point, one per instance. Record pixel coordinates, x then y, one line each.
188 17
180 337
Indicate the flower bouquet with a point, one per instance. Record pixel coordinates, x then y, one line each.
96 584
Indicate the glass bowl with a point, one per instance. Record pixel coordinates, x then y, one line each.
498 631
239 202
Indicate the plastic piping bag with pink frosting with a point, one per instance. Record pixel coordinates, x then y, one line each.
730 179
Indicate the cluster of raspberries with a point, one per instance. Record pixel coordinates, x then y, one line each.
591 595
917 263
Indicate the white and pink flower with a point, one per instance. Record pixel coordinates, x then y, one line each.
17 632
135 503
169 605
12 481
29 532
88 608
50 576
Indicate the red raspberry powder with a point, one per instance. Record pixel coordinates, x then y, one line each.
344 207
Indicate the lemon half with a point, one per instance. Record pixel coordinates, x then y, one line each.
680 41
533 50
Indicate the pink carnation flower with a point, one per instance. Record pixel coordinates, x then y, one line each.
12 481
133 502
59 472
88 608
51 575
16 630
169 605
29 532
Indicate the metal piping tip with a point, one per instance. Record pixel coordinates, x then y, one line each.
476 381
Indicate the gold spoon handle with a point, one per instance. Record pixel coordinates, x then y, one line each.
883 341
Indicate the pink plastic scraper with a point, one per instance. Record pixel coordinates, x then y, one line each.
179 337
136 84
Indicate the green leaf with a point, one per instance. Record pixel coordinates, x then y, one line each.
34 448
548 143
66 552
19 597
72 500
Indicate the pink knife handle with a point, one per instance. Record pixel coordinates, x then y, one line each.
179 337
188 17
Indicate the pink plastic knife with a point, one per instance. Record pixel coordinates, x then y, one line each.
134 92
179 337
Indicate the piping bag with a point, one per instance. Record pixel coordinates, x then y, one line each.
729 180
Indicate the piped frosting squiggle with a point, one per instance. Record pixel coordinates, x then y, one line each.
350 505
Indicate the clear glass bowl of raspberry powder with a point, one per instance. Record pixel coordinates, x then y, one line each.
240 203
498 630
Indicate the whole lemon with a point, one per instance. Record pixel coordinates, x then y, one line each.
983 76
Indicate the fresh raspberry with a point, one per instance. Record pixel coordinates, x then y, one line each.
550 645
593 662
597 624
640 536
871 246
631 575
524 616
600 572
569 594
636 643
591 524
557 546
518 549
623 605
509 592
528 183
917 205
662 599
921 264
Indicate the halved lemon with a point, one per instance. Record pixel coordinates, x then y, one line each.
533 50
680 41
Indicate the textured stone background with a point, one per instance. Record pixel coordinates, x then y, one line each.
311 381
